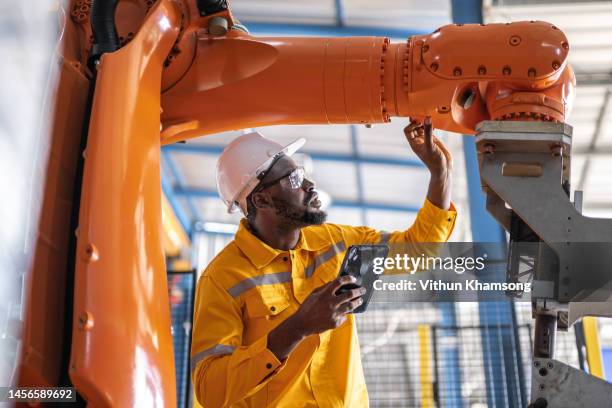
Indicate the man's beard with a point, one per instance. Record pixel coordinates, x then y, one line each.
299 216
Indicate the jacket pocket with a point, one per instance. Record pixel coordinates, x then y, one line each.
262 314
258 305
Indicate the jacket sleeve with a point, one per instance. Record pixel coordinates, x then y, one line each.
223 370
431 227
432 224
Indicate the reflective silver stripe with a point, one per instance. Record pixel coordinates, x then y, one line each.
384 237
213 351
267 279
336 248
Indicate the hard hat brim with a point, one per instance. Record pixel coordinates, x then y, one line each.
287 150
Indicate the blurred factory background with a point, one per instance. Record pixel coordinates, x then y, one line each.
419 355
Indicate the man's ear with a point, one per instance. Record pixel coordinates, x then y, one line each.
261 200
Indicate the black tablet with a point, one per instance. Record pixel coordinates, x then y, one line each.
359 262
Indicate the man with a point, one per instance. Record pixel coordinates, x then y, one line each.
269 329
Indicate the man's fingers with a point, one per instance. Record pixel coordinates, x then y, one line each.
340 281
350 306
412 126
350 295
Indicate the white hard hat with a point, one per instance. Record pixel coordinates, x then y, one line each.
242 161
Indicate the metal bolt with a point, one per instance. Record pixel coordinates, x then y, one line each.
217 26
565 45
85 321
539 403
542 387
556 150
531 73
368 125
536 364
506 70
91 253
515 40
457 71
550 365
489 149
434 66
556 64
482 70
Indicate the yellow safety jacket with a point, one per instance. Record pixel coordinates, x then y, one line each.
249 288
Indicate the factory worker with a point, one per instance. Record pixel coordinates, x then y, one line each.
269 328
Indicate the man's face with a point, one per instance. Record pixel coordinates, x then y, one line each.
299 206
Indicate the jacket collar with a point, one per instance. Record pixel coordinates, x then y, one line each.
261 254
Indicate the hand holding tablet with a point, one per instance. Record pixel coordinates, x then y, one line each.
359 263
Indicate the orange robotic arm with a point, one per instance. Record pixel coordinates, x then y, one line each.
460 75
119 336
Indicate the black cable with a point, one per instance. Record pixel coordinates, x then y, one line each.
105 37
207 7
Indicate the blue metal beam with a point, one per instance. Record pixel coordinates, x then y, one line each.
339 9
328 30
501 351
345 158
178 209
204 193
178 180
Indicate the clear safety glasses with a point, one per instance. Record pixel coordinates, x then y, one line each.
295 177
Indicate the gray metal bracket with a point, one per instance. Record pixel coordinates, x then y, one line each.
557 385
525 166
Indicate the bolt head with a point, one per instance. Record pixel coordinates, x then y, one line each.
515 40
90 254
86 321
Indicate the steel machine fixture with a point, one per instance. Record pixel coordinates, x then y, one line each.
192 69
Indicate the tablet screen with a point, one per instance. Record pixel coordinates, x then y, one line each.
359 262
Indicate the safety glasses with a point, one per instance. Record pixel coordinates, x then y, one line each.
295 177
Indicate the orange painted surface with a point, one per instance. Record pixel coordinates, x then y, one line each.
40 362
122 351
460 75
